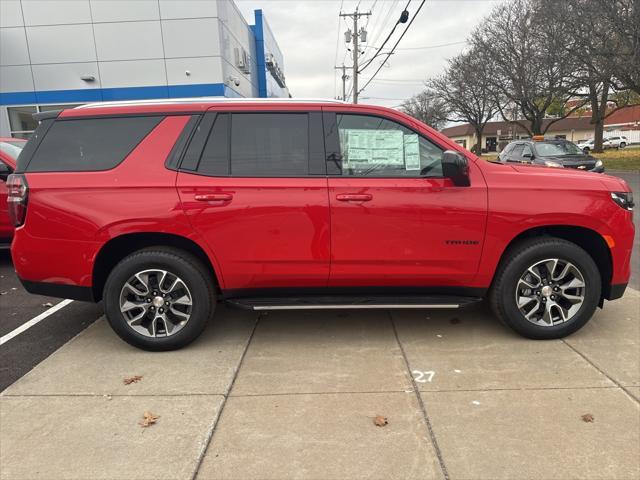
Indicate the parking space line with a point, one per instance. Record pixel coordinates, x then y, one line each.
423 408
34 321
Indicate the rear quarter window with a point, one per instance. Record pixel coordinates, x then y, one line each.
90 144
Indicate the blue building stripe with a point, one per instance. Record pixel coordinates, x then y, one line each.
112 94
258 32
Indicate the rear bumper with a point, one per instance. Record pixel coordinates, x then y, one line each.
72 292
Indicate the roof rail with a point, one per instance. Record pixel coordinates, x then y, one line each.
170 101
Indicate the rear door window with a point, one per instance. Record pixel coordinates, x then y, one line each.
270 144
90 144
215 156
516 154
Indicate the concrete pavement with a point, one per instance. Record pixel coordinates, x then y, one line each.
294 395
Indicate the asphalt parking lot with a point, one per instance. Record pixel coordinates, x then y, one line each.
295 394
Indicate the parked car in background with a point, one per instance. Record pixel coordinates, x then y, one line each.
616 142
162 208
607 142
9 150
556 153
586 145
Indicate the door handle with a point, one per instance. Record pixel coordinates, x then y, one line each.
214 197
354 197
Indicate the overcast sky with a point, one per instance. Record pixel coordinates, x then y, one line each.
309 32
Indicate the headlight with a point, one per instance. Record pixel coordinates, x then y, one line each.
598 163
624 199
549 163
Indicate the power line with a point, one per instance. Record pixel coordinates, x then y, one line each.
380 21
415 15
398 82
386 39
426 47
378 26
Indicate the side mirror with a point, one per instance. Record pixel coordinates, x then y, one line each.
5 171
456 167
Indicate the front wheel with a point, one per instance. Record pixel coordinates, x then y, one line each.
159 299
546 288
622 145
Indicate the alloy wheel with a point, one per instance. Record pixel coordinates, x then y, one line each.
550 292
156 303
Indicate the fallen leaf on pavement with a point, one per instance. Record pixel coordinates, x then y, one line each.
148 419
130 380
380 421
588 418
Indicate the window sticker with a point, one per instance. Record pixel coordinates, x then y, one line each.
367 147
411 152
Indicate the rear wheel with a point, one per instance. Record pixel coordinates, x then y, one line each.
586 150
159 298
546 288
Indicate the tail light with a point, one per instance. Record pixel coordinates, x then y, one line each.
18 194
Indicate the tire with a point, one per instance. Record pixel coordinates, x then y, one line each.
530 253
622 145
192 295
586 150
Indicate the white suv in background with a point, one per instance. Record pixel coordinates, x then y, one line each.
615 142
607 142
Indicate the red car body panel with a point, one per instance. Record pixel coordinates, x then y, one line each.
295 232
6 227
272 232
66 227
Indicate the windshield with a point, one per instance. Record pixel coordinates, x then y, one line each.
9 149
556 149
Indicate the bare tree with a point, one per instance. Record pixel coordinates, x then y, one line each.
465 89
620 41
530 67
600 54
427 108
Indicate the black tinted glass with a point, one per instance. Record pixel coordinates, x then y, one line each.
197 143
269 144
215 157
90 144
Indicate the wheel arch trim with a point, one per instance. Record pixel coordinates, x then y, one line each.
587 238
118 247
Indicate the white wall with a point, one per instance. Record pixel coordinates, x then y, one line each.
49 44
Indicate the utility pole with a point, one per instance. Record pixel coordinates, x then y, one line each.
349 36
344 80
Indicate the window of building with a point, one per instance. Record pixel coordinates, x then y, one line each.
376 147
90 144
269 144
21 121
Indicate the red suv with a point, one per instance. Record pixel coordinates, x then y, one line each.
162 209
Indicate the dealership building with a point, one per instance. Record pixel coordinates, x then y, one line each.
60 53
